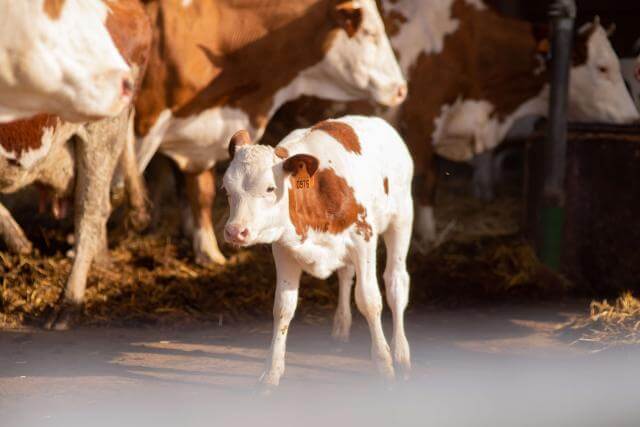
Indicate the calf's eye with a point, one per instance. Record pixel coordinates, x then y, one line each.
271 189
603 69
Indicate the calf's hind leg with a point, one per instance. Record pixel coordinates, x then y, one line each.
342 317
369 302
397 239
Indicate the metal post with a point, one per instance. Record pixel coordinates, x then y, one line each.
562 15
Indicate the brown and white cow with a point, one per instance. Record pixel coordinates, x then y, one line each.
321 198
77 158
473 73
221 66
59 57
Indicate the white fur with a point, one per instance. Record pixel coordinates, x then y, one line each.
68 66
597 96
428 23
266 217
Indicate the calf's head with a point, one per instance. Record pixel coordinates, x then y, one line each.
360 62
57 56
257 190
597 89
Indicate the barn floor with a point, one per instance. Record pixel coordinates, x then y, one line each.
495 366
163 341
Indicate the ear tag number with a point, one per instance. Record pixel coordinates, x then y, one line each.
303 184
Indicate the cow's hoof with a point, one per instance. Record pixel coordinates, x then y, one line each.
205 259
140 219
65 317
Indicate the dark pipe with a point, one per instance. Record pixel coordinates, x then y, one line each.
562 14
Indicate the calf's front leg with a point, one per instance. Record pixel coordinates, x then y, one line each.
98 152
201 192
286 299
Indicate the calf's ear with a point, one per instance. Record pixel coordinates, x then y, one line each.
301 164
348 15
239 138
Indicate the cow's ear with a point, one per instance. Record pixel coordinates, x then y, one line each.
239 138
300 164
348 15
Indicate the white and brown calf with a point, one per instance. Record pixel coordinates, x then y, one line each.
218 67
58 57
321 198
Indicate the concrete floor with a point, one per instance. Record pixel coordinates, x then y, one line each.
501 366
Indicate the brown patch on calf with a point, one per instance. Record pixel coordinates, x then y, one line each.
53 8
385 183
281 152
237 54
21 136
326 205
341 132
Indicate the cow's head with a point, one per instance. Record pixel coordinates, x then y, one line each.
57 56
597 89
359 62
255 186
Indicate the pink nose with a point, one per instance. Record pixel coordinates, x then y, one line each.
235 233
638 73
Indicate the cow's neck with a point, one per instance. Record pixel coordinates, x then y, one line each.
261 75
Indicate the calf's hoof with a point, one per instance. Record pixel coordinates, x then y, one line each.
341 329
140 219
65 317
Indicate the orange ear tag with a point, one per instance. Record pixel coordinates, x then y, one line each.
302 178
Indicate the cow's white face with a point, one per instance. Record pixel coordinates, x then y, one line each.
597 89
360 61
58 57
255 189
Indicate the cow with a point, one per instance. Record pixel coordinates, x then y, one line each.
218 67
77 159
473 73
58 57
321 198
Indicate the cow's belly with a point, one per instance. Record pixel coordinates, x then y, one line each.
196 143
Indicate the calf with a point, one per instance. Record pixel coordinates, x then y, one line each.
218 67
37 150
321 198
59 57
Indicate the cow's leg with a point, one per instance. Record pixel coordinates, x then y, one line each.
134 183
98 153
425 219
286 299
342 317
12 234
397 239
483 180
369 302
201 192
